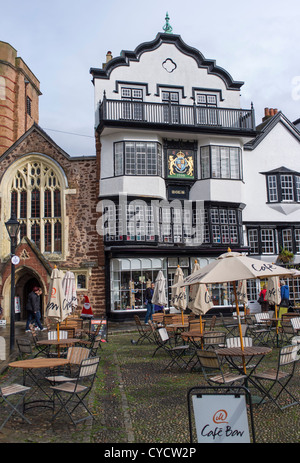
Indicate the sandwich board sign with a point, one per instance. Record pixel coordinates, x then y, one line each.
221 418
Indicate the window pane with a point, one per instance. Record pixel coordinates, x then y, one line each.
57 203
47 203
253 241
23 204
286 182
119 159
267 241
47 237
297 239
35 203
14 203
225 164
36 234
205 162
215 162
287 240
130 162
235 163
140 159
57 237
272 186
297 185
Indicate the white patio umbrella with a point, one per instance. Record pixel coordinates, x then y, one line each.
57 303
69 289
232 267
199 300
273 291
178 294
159 294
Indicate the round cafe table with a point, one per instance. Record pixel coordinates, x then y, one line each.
33 374
252 355
58 343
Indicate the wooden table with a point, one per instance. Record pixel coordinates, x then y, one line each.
253 355
58 343
31 369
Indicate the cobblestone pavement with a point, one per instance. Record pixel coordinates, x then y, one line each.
135 400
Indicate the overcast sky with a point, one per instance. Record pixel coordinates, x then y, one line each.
257 42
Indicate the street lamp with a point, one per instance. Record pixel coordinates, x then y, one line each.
12 226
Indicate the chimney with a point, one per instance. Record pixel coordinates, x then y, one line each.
269 112
109 57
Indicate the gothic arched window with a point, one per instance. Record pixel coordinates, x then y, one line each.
36 199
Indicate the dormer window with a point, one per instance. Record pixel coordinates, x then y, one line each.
283 186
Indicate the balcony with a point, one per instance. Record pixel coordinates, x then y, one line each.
164 116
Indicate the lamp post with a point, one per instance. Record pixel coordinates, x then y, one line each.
12 226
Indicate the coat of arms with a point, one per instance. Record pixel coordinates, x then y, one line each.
181 165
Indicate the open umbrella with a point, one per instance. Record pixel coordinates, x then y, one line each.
57 306
69 289
232 267
178 295
199 299
159 294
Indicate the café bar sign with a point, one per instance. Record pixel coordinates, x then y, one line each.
221 418
181 164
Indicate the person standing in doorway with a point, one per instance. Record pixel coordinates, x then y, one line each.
33 308
150 307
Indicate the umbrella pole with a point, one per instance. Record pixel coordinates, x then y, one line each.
276 324
58 349
182 318
201 330
239 322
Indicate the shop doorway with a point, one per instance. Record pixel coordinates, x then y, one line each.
24 285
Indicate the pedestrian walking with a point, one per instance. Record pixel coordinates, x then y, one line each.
33 307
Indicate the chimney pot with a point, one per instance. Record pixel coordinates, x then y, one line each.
108 56
267 113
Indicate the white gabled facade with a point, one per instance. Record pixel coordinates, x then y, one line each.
172 139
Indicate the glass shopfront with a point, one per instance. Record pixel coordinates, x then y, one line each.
131 276
129 280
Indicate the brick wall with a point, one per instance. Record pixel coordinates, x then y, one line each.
16 83
86 247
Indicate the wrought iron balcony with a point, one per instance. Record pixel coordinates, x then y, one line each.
175 117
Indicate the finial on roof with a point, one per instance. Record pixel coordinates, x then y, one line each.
167 27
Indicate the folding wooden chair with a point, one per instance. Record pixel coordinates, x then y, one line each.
214 340
258 331
213 371
41 350
6 394
279 377
24 346
75 356
176 353
230 324
72 394
145 332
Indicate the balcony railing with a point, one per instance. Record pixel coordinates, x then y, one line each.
122 112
